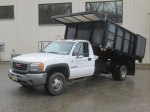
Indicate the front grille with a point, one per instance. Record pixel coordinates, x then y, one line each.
20 66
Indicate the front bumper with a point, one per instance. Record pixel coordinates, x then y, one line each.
29 79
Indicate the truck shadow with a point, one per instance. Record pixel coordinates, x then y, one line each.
93 84
100 90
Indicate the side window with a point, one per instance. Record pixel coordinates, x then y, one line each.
81 49
78 50
85 49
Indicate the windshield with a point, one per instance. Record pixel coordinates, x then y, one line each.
59 47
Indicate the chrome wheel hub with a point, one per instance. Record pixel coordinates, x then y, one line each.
123 72
57 84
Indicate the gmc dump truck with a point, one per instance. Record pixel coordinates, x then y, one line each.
87 35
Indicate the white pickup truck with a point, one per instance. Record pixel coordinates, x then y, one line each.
55 64
87 34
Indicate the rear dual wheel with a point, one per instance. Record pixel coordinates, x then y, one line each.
120 73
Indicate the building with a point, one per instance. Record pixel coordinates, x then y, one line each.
23 23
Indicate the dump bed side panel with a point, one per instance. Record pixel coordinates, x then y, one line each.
119 39
123 41
108 35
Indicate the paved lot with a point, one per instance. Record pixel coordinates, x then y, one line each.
93 94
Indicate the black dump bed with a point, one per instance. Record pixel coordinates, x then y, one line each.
102 33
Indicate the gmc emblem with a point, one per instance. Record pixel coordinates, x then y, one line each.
18 65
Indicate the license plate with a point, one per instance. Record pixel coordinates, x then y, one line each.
14 78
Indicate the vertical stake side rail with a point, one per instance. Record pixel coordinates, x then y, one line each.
91 31
105 37
77 26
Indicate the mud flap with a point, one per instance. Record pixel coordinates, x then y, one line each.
131 67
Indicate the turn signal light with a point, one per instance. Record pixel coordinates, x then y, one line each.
40 67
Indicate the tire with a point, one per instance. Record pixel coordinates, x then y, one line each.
114 73
55 84
120 73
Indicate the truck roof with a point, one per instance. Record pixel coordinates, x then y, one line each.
69 40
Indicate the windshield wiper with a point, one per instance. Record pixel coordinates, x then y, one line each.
54 52
43 51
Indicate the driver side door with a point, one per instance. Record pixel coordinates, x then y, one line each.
79 62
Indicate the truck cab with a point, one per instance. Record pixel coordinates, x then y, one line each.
71 58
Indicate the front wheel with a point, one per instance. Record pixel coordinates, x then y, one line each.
55 84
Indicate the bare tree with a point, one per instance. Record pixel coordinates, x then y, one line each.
117 8
48 10
95 7
112 10
6 12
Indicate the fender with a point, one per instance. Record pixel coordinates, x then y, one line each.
59 65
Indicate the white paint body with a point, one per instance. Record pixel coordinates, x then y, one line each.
79 67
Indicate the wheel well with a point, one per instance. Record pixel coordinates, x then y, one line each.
62 70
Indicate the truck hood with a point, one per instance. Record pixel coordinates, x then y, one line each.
36 57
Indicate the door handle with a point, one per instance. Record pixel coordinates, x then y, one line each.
89 59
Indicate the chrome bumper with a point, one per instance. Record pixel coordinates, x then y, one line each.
29 79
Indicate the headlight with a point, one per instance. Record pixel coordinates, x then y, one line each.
38 67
